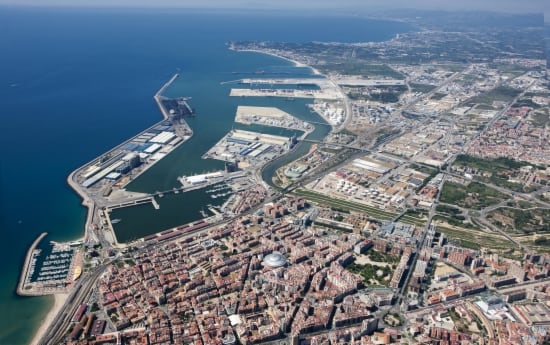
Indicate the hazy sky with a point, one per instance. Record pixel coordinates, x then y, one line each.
362 5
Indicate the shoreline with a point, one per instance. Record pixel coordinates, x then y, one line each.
60 299
59 302
295 62
299 64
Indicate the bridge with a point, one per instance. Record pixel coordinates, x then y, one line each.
148 199
134 202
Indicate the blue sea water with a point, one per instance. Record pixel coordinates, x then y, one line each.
76 82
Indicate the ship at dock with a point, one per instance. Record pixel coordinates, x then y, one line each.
177 108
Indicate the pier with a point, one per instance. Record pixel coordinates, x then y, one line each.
166 85
94 196
141 201
150 198
25 276
158 96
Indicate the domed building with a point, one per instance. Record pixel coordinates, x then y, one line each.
274 260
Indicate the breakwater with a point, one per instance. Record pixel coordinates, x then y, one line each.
26 271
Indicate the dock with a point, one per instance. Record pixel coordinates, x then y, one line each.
290 94
155 203
214 211
83 180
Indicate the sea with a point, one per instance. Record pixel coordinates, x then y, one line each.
76 82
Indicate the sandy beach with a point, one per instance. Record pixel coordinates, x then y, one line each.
59 301
296 63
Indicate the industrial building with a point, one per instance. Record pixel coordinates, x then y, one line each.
151 146
162 138
371 166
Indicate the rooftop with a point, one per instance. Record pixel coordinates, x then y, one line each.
274 260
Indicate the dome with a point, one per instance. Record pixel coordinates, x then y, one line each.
274 260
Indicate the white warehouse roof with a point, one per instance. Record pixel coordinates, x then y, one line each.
153 148
162 137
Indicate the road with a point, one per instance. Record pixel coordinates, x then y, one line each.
80 292
84 286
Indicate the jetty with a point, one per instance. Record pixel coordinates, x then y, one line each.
158 97
83 180
27 268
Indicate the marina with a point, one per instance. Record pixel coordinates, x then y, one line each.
53 263
48 268
103 180
117 99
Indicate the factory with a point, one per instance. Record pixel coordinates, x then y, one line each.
371 166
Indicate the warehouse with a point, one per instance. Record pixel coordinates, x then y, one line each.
258 151
244 135
113 176
238 141
93 180
162 137
273 139
371 166
152 149
92 170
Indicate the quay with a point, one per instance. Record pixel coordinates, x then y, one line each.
83 179
26 268
327 94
